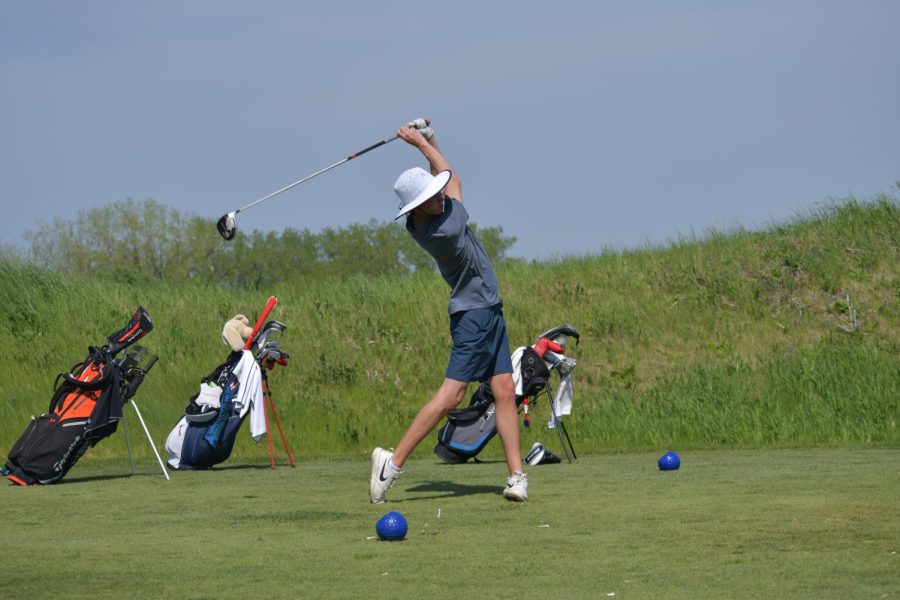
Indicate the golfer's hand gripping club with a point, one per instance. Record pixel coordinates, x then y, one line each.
423 126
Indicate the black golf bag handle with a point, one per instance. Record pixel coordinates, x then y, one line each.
98 384
94 355
566 330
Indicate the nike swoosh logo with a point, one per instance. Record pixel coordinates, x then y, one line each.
381 476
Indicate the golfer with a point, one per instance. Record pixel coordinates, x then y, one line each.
437 220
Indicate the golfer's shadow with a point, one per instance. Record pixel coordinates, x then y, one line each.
445 489
245 467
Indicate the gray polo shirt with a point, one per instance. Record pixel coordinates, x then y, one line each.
460 257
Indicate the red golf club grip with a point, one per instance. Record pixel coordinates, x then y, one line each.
270 304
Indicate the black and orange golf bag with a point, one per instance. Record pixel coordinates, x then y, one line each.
85 408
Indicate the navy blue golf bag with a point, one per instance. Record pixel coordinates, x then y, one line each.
237 389
198 453
208 435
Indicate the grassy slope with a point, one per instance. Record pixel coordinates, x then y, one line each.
787 337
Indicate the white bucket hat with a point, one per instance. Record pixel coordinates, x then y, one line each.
416 185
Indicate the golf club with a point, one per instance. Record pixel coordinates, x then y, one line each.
227 225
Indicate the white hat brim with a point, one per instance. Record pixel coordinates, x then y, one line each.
437 183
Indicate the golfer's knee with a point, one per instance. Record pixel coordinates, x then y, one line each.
451 394
503 388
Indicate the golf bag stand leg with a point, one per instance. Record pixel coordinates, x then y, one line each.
266 414
268 403
128 442
149 439
560 429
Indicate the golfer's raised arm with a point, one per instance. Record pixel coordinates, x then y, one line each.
454 186
436 160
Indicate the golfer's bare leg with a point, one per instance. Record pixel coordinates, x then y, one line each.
448 397
507 419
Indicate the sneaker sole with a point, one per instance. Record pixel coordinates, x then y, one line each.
514 497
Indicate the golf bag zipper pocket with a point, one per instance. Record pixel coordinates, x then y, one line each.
23 441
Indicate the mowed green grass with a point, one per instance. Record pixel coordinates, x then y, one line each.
819 523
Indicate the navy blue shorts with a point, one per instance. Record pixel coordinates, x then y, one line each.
480 346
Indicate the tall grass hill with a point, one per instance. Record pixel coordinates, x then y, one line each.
787 337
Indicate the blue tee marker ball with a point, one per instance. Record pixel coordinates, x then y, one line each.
391 527
669 462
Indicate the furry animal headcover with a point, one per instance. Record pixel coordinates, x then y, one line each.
236 332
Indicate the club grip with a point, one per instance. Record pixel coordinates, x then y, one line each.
373 146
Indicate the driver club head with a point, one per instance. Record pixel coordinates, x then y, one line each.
227 226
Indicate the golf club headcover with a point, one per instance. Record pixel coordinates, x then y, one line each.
545 344
236 332
536 454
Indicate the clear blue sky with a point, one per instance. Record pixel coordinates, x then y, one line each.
574 125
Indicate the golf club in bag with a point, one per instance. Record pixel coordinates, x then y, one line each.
86 407
468 430
205 435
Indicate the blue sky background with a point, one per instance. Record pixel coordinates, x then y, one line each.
574 125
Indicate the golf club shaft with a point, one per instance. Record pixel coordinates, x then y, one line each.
328 168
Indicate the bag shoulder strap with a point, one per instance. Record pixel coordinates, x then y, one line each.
96 356
72 380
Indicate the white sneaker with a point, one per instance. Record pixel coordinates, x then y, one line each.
383 477
516 487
